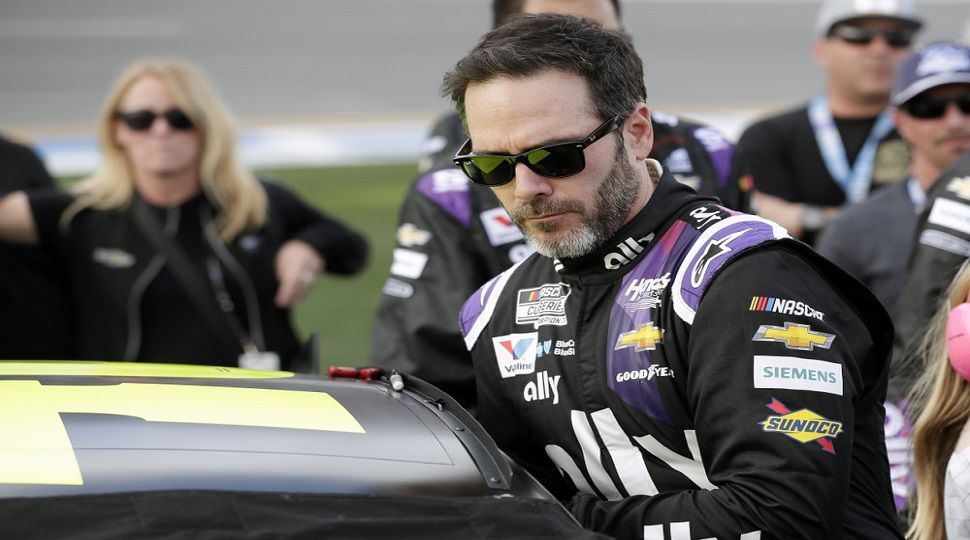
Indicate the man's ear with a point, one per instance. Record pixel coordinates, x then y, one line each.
638 132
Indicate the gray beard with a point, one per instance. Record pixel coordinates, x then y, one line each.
614 198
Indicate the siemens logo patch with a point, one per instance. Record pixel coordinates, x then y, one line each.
791 373
784 306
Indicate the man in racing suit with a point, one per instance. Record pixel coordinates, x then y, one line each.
452 237
677 369
941 245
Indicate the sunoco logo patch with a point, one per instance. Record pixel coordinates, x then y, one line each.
545 305
803 425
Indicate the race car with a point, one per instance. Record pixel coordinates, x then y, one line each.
135 450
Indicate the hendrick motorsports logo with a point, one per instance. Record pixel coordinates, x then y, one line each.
802 425
645 293
545 305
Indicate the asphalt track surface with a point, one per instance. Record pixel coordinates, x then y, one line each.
368 62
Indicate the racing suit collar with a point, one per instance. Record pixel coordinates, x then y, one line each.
632 240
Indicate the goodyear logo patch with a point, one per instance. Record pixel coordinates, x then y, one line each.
803 425
784 306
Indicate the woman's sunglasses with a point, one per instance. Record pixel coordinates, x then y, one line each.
142 120
858 35
553 161
929 108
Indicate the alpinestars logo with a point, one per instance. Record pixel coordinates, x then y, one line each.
715 249
627 251
516 354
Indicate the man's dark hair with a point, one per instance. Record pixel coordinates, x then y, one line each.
529 44
503 10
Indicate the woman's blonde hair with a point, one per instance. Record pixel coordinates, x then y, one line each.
232 188
942 398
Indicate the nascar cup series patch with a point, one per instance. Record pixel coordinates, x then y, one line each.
803 425
543 305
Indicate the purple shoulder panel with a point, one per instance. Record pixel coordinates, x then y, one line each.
720 150
475 305
634 366
449 189
715 247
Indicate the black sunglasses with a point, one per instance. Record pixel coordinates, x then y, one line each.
856 35
553 161
928 108
142 120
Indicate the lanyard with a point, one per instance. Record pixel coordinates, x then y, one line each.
854 181
228 307
916 194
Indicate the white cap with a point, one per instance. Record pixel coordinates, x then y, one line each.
833 12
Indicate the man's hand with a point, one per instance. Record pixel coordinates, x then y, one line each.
791 216
297 266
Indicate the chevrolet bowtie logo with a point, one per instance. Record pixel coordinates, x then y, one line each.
960 186
795 336
644 338
409 236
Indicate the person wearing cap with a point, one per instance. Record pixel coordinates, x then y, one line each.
870 240
453 237
807 162
940 92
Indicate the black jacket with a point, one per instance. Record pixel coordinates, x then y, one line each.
35 319
699 375
941 245
129 305
454 236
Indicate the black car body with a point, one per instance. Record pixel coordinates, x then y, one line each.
115 450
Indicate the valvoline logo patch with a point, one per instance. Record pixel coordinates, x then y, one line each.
516 353
802 425
499 227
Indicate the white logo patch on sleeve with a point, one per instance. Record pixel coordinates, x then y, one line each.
950 214
792 373
409 264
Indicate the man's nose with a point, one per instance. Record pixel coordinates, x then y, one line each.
529 184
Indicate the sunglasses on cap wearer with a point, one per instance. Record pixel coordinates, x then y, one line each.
142 120
899 38
552 161
928 108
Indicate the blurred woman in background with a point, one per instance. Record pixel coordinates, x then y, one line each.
176 252
941 434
